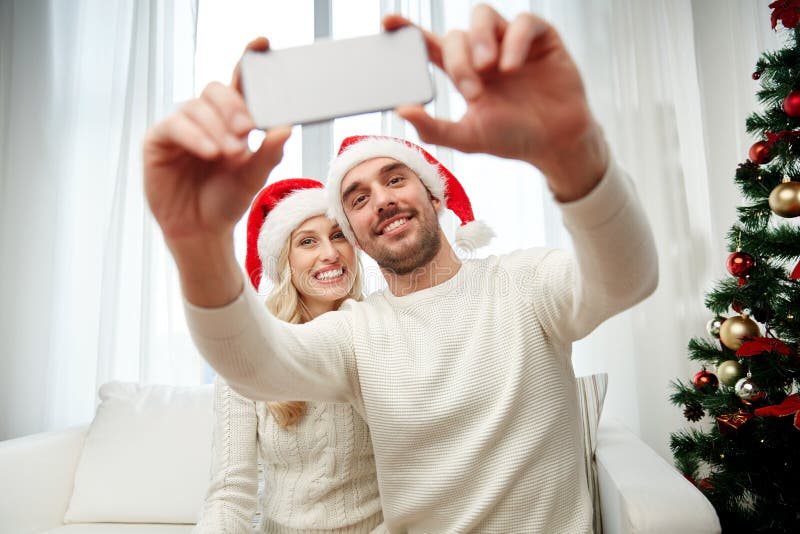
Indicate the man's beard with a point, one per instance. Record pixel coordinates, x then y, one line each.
413 255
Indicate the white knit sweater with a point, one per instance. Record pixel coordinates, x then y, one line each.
467 387
318 475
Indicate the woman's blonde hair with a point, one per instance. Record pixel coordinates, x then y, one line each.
284 302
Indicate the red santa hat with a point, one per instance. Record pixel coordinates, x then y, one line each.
277 210
441 183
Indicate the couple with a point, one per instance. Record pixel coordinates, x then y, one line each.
461 370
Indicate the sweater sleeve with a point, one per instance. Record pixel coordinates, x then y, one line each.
614 264
231 499
263 358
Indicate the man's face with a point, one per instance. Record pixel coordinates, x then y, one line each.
392 214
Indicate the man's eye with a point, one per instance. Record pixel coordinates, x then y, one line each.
395 180
359 200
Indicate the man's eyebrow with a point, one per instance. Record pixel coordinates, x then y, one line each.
392 166
350 188
385 169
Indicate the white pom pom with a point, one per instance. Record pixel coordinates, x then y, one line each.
473 235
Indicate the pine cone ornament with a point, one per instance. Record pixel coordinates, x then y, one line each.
693 412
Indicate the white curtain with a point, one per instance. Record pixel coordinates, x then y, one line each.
88 292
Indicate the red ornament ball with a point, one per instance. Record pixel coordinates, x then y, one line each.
756 75
759 153
791 104
740 264
705 381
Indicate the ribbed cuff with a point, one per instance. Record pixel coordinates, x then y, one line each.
607 198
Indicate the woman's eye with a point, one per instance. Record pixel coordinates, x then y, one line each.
338 235
307 241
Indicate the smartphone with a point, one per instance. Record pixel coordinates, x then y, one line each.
336 78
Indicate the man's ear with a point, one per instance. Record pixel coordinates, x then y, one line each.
437 204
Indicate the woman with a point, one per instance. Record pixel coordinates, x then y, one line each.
317 462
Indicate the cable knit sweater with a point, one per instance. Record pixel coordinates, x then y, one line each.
318 475
467 387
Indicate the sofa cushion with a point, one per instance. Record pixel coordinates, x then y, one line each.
147 456
591 394
120 528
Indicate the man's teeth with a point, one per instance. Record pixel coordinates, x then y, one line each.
327 275
396 224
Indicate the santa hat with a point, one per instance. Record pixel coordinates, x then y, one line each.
441 183
276 212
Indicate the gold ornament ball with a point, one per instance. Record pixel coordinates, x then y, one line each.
729 372
785 199
735 330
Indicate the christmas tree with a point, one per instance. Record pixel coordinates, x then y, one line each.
746 459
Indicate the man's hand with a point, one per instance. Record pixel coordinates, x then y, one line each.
525 99
200 177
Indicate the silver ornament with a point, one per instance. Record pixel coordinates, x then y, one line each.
746 389
713 326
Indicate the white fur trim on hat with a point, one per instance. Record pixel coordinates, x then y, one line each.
377 147
284 218
473 235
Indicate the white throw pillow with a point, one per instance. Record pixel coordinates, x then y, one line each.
591 394
147 456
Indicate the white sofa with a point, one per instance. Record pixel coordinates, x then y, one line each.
47 478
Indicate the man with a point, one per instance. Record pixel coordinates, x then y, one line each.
462 370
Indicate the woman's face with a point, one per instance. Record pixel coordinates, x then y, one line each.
323 262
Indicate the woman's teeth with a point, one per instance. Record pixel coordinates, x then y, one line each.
327 275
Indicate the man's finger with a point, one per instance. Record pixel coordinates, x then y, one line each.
519 39
259 44
268 155
432 41
437 131
231 107
206 117
179 132
486 32
458 65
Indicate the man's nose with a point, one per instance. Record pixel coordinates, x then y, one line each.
383 199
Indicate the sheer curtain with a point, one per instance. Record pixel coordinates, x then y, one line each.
88 292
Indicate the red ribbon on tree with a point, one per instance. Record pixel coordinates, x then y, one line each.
787 11
796 273
789 406
763 344
789 135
